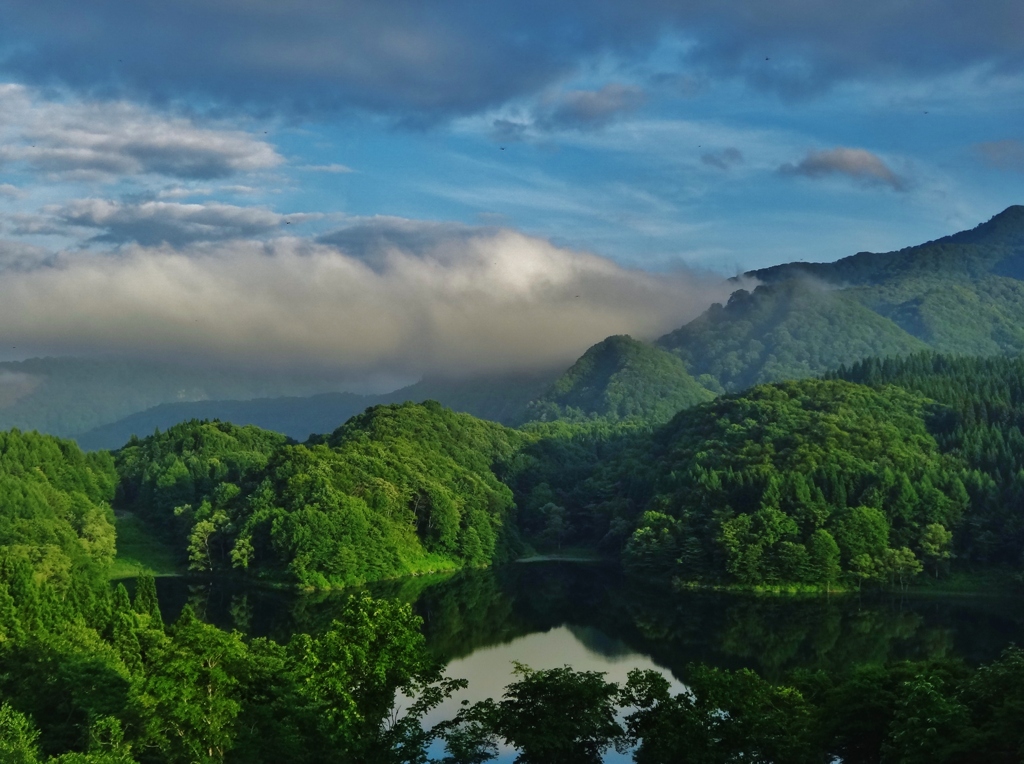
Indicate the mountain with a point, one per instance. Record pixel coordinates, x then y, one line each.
496 397
786 330
69 396
963 293
620 378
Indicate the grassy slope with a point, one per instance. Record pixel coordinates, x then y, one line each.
140 551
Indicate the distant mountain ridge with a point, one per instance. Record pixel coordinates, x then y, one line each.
499 398
962 293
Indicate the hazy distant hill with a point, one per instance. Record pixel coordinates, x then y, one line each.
69 396
621 378
500 398
961 294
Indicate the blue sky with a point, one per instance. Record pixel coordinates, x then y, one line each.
145 148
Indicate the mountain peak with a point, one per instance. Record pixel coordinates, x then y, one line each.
1007 227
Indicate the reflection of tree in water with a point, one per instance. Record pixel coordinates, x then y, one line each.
241 612
474 609
598 642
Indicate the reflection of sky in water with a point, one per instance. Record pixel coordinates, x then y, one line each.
489 670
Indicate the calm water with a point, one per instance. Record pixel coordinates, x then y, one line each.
586 615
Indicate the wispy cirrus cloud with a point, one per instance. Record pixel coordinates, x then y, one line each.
116 138
859 165
335 169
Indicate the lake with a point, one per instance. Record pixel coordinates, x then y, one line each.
587 615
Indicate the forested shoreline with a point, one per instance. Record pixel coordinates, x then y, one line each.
885 472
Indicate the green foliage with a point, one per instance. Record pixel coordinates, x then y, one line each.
980 422
796 483
396 490
961 294
620 378
789 330
554 715
54 506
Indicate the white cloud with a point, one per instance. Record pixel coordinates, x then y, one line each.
12 192
458 300
117 138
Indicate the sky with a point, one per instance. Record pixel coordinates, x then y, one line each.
418 187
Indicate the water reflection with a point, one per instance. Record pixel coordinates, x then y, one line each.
607 616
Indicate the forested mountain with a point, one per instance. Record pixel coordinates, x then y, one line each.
620 378
961 294
788 330
496 397
396 490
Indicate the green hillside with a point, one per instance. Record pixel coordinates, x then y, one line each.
788 330
55 506
959 294
620 378
397 490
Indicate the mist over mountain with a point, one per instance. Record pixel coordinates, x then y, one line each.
963 293
499 398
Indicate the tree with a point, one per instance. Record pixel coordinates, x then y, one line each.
18 738
189 702
824 554
935 542
901 565
558 715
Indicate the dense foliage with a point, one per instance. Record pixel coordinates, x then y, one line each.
620 378
981 423
807 482
54 505
396 490
789 330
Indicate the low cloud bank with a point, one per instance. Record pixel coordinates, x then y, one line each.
381 296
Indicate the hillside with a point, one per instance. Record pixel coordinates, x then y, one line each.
959 294
397 490
620 378
788 330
